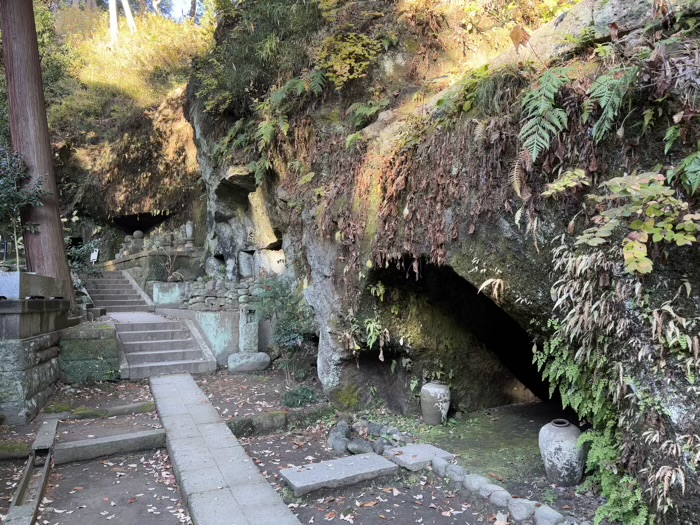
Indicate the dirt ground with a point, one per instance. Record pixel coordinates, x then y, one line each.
100 395
129 489
10 474
242 395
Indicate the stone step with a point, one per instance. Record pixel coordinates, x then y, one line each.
114 296
154 335
337 472
152 326
164 356
110 289
108 282
121 302
172 367
138 308
152 346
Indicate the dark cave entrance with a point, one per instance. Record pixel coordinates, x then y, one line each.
455 300
140 221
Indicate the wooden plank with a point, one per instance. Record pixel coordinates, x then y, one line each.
46 434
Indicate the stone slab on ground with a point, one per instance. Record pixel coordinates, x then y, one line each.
417 456
221 484
135 317
337 472
107 446
45 434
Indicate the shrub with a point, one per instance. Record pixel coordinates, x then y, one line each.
294 321
299 397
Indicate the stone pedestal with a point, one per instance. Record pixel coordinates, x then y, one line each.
29 355
248 329
20 285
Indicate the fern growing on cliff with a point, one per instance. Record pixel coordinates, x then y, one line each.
609 92
542 119
688 172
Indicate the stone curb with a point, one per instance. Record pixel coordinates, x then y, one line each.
270 422
521 510
107 446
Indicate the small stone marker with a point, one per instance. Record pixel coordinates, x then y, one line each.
337 472
417 456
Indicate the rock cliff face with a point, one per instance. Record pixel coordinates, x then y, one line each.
425 248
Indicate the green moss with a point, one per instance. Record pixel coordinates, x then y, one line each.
88 413
346 397
13 450
57 408
144 409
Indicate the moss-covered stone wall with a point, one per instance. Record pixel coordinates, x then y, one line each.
89 352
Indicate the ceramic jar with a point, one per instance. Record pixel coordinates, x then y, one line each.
434 402
563 459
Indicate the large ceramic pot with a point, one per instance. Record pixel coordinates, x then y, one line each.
563 459
434 402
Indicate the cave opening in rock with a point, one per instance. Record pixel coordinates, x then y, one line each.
141 221
451 328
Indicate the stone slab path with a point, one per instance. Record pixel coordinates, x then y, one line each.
417 456
337 472
220 483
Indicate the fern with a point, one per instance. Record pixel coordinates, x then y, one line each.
265 133
542 119
362 114
609 92
317 82
688 172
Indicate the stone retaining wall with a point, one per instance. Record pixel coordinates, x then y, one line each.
89 352
29 370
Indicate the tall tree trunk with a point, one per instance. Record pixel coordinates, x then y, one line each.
143 7
76 4
113 22
92 4
129 17
43 248
193 10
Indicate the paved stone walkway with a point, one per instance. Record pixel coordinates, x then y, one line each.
221 484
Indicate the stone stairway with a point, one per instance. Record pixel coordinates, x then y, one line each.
115 292
157 347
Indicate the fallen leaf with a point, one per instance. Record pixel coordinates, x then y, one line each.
520 37
614 30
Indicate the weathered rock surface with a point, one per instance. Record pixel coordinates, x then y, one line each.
248 362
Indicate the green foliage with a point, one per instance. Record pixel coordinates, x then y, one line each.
299 397
15 195
107 88
672 135
624 499
262 44
347 57
353 139
79 258
294 318
650 209
361 114
687 173
572 179
542 119
608 93
373 330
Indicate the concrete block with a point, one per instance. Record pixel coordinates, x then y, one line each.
417 456
495 494
216 507
106 446
337 472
